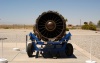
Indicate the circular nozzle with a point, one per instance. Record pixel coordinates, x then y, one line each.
50 26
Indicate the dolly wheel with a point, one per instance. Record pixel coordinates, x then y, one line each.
29 50
69 49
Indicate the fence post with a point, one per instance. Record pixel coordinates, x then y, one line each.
26 42
3 60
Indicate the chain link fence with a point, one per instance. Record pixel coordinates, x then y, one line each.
16 26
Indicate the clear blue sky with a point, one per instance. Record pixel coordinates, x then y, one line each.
26 11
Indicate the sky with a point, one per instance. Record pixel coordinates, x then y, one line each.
27 11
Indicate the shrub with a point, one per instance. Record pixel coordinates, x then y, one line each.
92 27
6 28
67 29
89 27
86 27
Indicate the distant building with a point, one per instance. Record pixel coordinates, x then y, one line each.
69 26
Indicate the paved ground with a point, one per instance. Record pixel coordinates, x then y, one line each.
80 55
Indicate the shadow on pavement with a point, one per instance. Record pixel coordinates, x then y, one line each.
63 57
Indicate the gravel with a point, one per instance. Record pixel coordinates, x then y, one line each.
14 35
85 39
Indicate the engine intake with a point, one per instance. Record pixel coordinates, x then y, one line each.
50 26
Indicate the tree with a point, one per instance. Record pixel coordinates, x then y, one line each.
90 23
85 23
98 24
89 26
85 26
92 26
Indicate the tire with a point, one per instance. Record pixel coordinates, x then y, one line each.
69 49
29 50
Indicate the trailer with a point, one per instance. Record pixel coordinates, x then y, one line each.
50 34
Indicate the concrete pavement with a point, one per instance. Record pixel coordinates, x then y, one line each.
80 55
